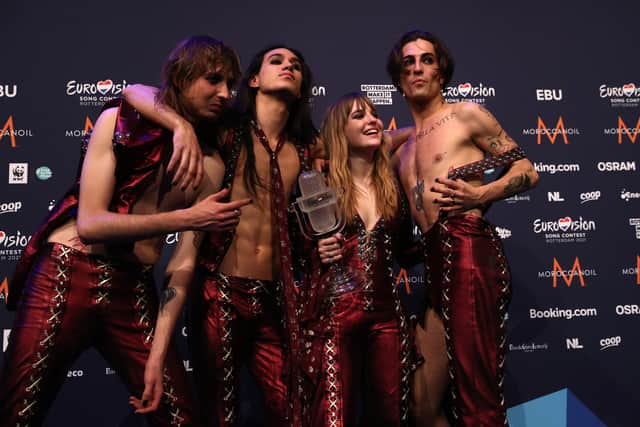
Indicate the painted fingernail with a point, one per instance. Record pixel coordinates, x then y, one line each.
437 179
144 402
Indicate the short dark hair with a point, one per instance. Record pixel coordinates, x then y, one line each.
446 63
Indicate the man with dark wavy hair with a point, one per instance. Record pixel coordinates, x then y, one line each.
247 307
441 167
85 279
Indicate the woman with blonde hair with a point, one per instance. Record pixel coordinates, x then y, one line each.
355 331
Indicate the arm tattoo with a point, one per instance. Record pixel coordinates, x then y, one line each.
166 296
517 184
497 143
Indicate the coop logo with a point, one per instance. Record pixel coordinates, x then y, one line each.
630 133
408 280
504 233
577 272
18 173
628 195
528 347
633 271
552 168
565 229
621 166
468 92
11 245
10 132
518 198
546 95
8 91
379 94
95 93
10 207
627 95
4 289
635 222
6 333
552 133
610 342
590 196
574 344
554 196
80 133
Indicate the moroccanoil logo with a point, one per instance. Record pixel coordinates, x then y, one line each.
551 133
392 124
623 130
4 289
79 133
577 272
9 130
408 279
633 271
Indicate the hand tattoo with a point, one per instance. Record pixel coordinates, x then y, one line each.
166 296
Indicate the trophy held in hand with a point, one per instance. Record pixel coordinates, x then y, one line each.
319 217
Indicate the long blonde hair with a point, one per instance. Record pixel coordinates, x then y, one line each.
335 140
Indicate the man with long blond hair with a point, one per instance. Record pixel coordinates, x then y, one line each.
85 279
355 330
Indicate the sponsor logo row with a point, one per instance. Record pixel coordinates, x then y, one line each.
572 343
626 94
19 173
582 198
565 313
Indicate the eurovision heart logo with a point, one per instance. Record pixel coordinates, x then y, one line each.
629 89
564 223
464 88
104 86
3 236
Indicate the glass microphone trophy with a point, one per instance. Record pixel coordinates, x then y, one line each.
319 217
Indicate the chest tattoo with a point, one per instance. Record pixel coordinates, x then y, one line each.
417 191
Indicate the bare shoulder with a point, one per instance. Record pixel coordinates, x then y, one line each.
109 116
471 111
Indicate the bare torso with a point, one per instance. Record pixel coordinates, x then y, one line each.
444 143
158 196
253 252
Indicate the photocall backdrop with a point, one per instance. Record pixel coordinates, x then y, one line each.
563 81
